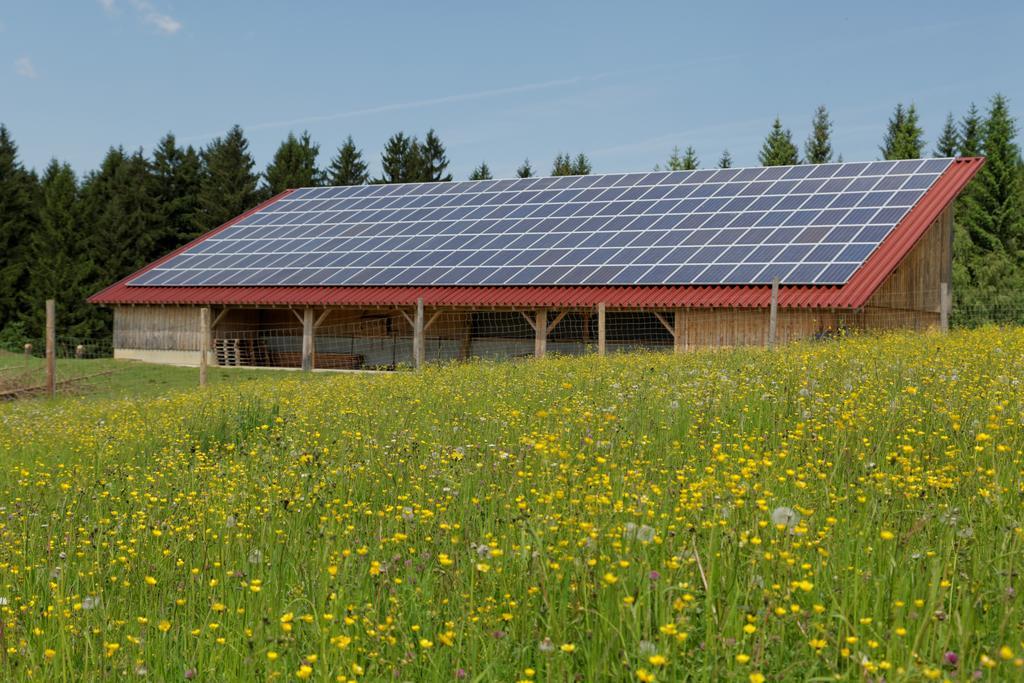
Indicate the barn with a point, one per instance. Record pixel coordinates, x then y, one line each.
385 276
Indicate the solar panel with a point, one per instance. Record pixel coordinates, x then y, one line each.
809 224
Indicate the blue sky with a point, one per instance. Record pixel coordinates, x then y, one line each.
622 81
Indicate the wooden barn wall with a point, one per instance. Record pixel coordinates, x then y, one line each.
913 290
156 328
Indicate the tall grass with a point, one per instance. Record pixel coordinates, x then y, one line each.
845 509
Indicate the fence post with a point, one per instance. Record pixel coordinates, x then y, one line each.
540 342
679 333
945 304
419 346
51 347
773 314
307 339
204 344
600 329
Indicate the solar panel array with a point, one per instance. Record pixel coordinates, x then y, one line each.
808 224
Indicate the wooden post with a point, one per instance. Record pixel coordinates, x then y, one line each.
679 333
307 340
773 314
600 329
945 304
419 346
51 347
540 344
204 344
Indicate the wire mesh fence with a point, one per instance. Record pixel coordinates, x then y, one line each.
385 340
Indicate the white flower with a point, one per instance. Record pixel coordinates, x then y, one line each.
787 517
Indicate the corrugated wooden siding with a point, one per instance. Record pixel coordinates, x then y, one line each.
156 328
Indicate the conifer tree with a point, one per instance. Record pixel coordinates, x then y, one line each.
970 132
481 172
229 185
687 162
904 138
562 165
123 220
949 141
293 165
18 191
778 148
399 161
60 266
581 165
525 170
818 148
999 186
433 160
725 161
176 176
348 167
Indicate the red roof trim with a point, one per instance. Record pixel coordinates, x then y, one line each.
854 294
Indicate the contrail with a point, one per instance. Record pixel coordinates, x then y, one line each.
416 104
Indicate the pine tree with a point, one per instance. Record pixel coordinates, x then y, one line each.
123 219
904 138
399 161
229 185
176 175
293 165
481 172
581 165
562 165
818 148
18 192
949 141
687 162
970 132
725 161
348 167
61 266
525 171
778 148
999 186
433 160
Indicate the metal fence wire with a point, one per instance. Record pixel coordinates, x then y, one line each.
385 340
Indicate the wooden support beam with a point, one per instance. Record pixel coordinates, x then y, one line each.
408 319
945 305
586 328
418 346
664 323
558 319
307 340
773 314
679 333
430 321
220 316
540 342
600 329
204 344
297 315
322 317
529 322
51 347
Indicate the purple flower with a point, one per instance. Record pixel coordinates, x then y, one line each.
951 658
460 673
654 575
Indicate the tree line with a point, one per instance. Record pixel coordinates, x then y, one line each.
67 237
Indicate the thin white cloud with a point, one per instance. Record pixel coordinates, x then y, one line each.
164 23
24 67
417 104
148 13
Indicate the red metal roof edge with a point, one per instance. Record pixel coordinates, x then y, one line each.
854 294
869 277
104 295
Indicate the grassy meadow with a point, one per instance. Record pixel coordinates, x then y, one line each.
844 510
